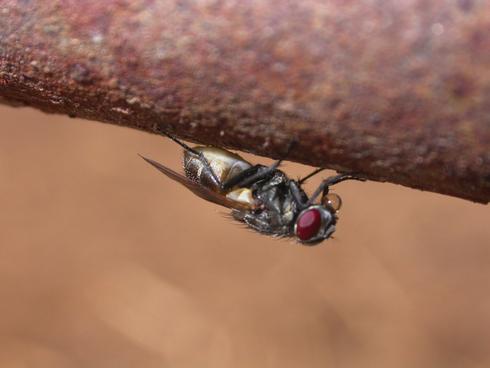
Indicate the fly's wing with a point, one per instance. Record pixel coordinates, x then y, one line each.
198 189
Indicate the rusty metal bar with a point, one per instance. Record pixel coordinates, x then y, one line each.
396 90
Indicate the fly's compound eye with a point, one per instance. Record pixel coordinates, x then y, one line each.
314 224
308 224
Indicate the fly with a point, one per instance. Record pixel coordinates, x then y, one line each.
263 197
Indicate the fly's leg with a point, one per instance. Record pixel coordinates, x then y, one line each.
325 184
250 176
303 180
255 173
298 198
199 155
182 144
241 177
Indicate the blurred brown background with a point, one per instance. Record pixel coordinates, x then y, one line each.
104 262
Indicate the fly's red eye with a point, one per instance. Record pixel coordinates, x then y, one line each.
308 224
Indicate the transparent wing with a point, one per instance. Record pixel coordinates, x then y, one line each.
198 189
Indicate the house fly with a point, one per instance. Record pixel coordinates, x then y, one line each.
263 197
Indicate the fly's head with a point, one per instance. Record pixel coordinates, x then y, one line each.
317 222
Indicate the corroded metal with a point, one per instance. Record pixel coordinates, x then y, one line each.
396 90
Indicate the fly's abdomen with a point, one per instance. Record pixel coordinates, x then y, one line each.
224 164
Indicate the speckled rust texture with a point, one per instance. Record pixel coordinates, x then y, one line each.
396 90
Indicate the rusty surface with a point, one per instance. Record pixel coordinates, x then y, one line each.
396 90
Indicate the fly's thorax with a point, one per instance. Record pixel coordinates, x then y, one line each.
277 209
224 164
